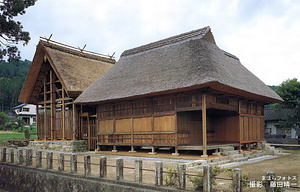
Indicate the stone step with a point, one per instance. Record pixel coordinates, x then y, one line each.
240 159
219 163
220 159
230 153
223 149
235 156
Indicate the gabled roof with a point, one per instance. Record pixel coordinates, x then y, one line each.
76 70
184 62
272 114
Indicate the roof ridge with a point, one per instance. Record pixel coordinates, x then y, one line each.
71 50
168 41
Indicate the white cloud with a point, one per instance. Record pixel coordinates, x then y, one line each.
263 34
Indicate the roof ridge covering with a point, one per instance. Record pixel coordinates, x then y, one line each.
195 34
77 53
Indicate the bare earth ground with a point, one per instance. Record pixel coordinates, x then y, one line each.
288 165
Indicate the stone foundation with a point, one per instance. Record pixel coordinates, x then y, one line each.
64 146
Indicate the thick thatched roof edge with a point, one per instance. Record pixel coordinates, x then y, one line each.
213 85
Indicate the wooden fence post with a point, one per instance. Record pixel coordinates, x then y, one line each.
73 163
270 178
28 157
159 173
181 169
119 169
3 153
87 165
20 156
49 160
207 178
138 170
61 162
11 157
39 159
237 180
103 168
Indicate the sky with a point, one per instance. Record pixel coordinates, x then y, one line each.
263 34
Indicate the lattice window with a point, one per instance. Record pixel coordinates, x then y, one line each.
106 110
142 107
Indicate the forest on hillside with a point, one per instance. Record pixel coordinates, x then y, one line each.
12 77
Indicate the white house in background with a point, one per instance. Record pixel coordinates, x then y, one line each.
272 118
27 112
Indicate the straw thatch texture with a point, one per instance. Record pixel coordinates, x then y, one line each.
75 70
182 62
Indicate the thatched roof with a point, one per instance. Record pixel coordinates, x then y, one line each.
75 69
272 114
184 62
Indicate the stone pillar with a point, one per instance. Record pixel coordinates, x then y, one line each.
49 160
119 169
3 153
152 151
103 168
159 173
207 179
39 158
61 162
138 170
181 170
270 178
20 156
73 163
11 157
237 180
87 165
28 157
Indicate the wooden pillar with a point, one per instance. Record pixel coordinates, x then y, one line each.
103 167
181 178
45 111
176 130
204 126
61 161
52 105
37 122
87 165
119 169
73 163
49 160
63 108
89 131
28 157
207 178
39 156
237 180
138 165
159 173
11 157
240 126
74 119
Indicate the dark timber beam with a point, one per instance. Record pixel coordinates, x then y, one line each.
204 130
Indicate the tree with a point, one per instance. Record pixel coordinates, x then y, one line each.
289 91
11 32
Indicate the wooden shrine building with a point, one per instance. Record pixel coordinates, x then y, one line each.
57 75
183 92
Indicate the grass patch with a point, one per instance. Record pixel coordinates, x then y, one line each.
13 135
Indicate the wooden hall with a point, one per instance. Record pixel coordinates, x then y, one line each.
57 75
181 92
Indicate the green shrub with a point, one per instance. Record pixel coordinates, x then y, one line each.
171 178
